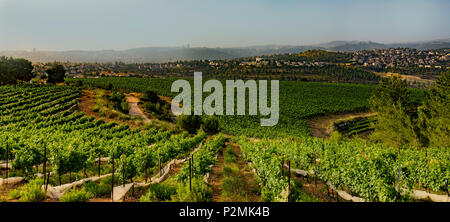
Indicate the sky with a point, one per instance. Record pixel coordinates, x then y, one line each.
115 24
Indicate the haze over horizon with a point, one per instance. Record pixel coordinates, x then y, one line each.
111 24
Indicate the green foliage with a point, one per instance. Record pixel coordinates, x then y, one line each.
360 167
298 102
191 123
31 192
159 192
56 73
297 194
126 168
200 192
233 187
75 195
230 155
434 114
97 190
203 159
210 124
394 126
336 136
13 70
150 96
119 101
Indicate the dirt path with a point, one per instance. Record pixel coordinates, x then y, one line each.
215 178
322 126
250 183
134 108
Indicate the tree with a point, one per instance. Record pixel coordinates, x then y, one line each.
191 123
56 73
12 70
210 125
434 114
150 96
394 126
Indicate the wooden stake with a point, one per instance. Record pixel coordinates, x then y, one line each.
7 159
112 180
44 167
98 164
190 174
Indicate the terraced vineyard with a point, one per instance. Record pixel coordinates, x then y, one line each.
41 132
298 102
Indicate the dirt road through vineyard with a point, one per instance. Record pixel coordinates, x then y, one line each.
134 108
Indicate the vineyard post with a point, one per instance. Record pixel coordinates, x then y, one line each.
399 169
45 162
190 174
123 177
192 171
99 164
112 179
282 165
48 178
289 176
7 159
123 174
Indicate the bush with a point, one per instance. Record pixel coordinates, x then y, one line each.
159 192
97 190
31 192
200 192
75 196
210 125
191 123
150 96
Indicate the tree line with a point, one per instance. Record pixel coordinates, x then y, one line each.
14 70
402 123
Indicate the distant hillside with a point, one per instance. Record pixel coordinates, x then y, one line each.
165 54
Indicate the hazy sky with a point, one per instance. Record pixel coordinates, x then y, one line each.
114 24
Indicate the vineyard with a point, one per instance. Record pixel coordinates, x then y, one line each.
298 101
363 169
43 135
66 155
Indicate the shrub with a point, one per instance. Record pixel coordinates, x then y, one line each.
159 192
150 96
97 190
210 125
31 192
299 195
75 196
191 123
200 192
